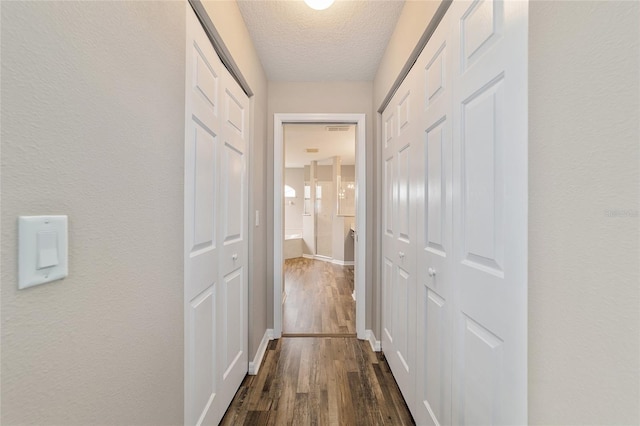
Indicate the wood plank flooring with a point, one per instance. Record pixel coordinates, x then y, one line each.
318 298
319 381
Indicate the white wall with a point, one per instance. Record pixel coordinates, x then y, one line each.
322 97
294 207
584 323
93 127
228 21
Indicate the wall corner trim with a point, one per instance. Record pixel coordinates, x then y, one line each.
254 366
375 344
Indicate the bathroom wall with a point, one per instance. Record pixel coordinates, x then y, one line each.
342 245
294 207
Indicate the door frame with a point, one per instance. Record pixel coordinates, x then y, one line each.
279 120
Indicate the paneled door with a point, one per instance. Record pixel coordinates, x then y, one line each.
399 259
490 212
215 229
434 235
203 129
232 300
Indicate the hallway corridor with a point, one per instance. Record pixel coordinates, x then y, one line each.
320 381
323 380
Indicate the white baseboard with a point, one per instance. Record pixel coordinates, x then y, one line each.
375 344
343 262
254 365
330 260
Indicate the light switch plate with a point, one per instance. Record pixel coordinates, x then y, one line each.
42 250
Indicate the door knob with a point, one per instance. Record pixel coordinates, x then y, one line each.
401 254
432 272
235 256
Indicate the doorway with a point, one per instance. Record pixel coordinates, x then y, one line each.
319 229
359 199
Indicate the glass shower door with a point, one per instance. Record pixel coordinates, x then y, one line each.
324 219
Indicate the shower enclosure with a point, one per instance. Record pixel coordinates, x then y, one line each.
329 209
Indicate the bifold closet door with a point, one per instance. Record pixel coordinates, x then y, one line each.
399 259
215 224
490 212
202 141
232 339
454 265
434 184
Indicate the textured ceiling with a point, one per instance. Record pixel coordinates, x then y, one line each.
299 137
344 42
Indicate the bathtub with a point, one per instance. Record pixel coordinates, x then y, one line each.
292 247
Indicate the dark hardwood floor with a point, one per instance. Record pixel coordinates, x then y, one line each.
318 298
319 381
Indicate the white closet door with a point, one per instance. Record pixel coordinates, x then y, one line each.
232 300
216 224
398 263
434 235
203 130
490 213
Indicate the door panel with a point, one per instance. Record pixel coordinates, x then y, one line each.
215 229
436 386
202 309
389 184
388 285
202 138
233 305
234 317
398 342
490 320
203 160
435 232
483 181
233 164
481 356
403 202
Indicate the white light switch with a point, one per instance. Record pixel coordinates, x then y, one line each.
47 249
42 250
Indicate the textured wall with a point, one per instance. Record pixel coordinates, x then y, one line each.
226 17
584 323
323 97
93 127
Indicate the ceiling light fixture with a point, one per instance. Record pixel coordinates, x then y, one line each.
319 4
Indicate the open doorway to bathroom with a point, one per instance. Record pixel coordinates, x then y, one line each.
319 228
319 224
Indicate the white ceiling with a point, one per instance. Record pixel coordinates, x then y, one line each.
342 43
299 137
